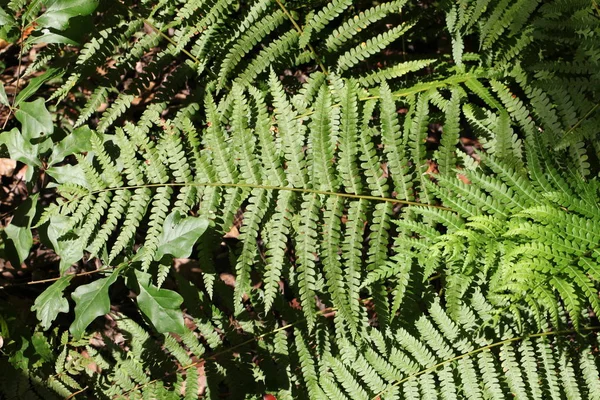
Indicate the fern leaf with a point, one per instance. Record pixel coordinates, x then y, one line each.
319 20
321 143
255 213
361 21
306 247
396 71
276 245
393 141
370 47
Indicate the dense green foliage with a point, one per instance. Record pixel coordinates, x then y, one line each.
415 223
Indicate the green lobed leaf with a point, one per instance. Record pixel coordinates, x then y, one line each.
161 306
42 346
36 83
91 301
22 239
77 141
60 11
19 229
179 235
35 119
68 174
69 250
58 226
20 149
51 37
51 302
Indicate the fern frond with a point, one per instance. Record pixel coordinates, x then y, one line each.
361 21
372 46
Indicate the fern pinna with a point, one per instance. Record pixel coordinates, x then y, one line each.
423 228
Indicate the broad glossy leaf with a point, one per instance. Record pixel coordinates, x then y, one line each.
161 306
76 142
20 149
51 302
59 225
51 37
35 83
42 346
3 96
179 235
23 215
91 301
58 14
74 35
68 174
21 238
69 250
35 119
19 229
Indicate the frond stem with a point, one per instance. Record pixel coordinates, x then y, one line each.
269 187
230 349
174 43
300 31
237 346
482 349
405 93
582 119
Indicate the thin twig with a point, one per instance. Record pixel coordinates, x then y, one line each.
72 395
55 279
12 107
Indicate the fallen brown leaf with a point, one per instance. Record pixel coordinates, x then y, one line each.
233 233
7 166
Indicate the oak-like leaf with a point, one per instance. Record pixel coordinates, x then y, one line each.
51 302
35 119
179 235
161 306
77 141
91 301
